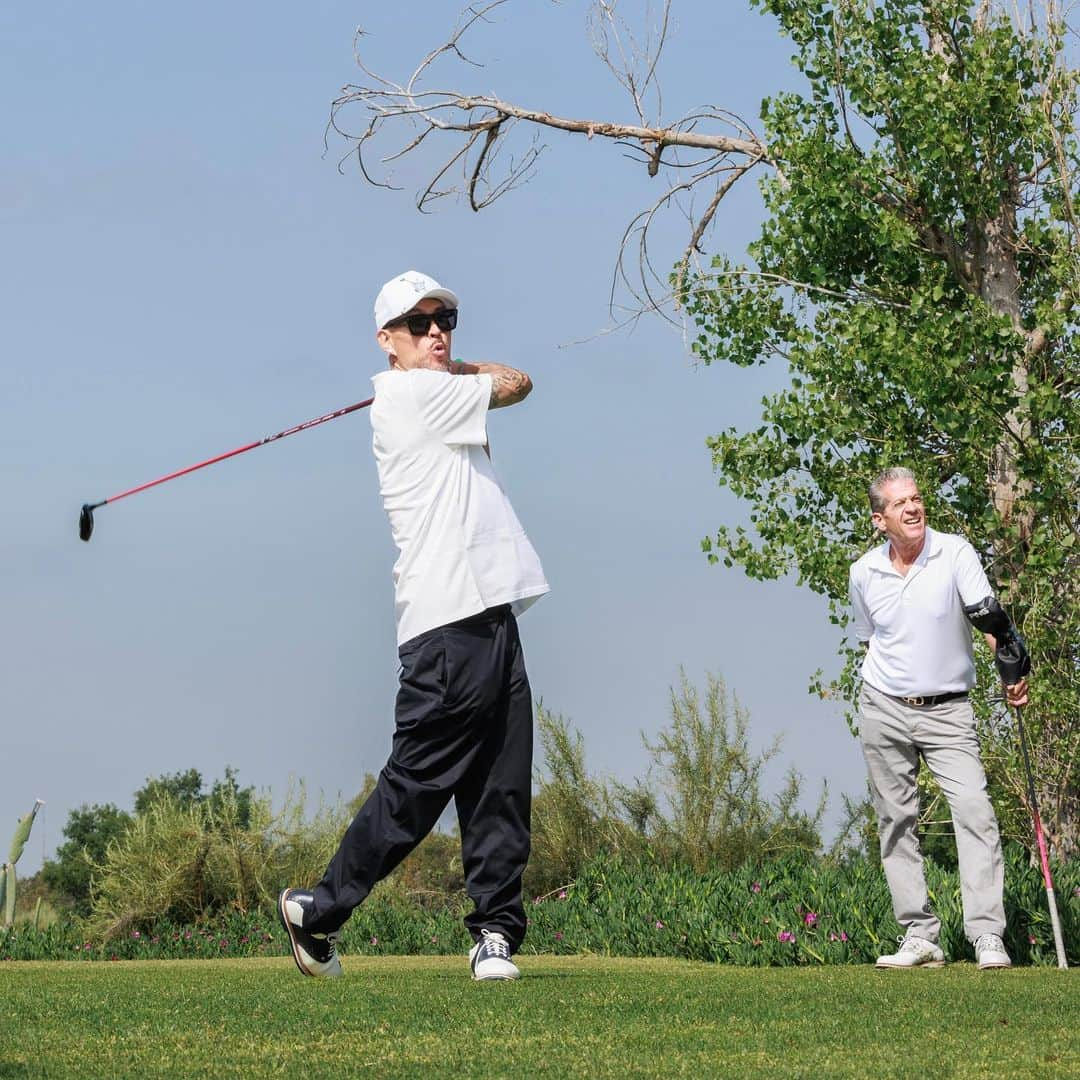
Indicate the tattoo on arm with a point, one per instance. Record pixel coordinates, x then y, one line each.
508 386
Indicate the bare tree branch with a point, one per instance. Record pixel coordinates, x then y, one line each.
705 221
702 155
479 125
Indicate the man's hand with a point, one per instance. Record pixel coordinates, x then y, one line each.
1017 695
508 385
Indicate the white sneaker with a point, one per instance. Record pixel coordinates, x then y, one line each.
990 952
913 952
489 958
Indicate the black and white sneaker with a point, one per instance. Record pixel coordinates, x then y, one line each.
489 958
315 954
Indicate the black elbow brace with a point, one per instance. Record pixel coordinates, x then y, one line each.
1011 655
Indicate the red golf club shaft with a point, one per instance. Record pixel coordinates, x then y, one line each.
239 450
1040 839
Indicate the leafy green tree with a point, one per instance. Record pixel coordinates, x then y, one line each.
918 274
184 788
227 792
88 833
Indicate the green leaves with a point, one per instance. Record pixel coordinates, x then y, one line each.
919 274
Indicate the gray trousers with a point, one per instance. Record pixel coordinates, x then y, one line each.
894 736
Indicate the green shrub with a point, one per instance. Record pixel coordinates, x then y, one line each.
795 910
711 781
187 861
702 804
573 815
89 832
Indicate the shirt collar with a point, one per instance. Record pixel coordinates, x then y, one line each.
930 550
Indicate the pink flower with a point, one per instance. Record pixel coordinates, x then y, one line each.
843 936
558 935
810 918
659 925
562 894
135 935
1031 939
785 935
434 938
832 936
756 887
374 940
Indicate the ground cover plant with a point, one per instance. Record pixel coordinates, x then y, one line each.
570 1016
790 912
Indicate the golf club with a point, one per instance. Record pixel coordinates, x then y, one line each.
1013 664
86 515
1040 839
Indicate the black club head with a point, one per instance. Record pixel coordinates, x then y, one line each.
86 522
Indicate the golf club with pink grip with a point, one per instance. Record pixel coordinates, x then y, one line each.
86 515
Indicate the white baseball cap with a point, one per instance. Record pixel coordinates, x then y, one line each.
403 293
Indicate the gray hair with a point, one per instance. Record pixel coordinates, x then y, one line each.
877 503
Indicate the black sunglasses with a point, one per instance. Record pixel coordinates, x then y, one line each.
419 323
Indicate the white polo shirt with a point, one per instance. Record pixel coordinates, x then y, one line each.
461 548
919 638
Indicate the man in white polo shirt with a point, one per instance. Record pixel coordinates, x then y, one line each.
909 597
465 569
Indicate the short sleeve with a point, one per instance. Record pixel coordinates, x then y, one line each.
864 627
453 407
971 580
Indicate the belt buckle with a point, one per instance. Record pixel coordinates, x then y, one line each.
915 700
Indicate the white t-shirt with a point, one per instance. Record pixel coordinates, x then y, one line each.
919 638
461 547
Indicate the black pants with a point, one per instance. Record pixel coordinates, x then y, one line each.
464 730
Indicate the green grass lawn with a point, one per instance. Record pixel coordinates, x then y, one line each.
570 1016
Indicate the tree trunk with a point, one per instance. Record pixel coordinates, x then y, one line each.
999 287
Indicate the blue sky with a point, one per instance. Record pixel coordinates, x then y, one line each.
185 269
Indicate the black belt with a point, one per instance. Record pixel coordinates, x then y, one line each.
923 700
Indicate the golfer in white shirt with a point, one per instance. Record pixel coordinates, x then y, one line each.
908 596
465 570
